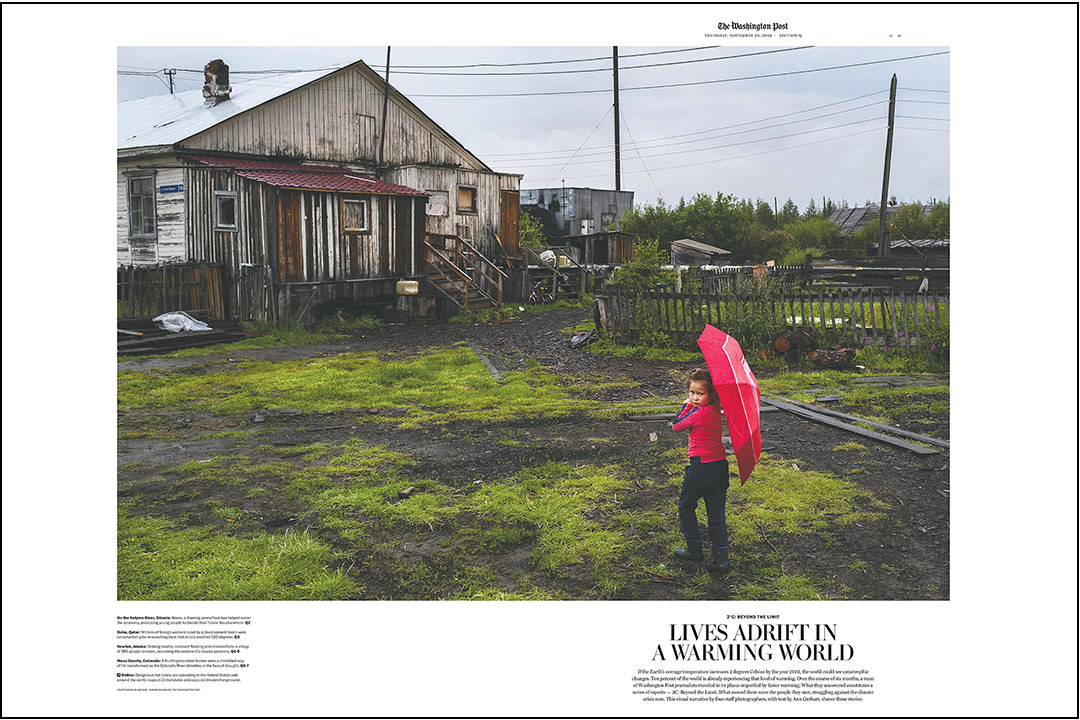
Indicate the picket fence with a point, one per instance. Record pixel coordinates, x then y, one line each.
844 317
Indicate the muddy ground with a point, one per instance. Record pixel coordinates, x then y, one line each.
905 556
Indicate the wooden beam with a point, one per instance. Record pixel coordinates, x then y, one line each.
826 420
854 418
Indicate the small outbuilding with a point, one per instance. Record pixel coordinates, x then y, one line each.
692 252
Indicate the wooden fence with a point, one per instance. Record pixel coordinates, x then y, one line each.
148 291
849 318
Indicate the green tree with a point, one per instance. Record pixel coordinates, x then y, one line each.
788 213
909 220
657 222
813 232
763 211
530 234
647 270
939 221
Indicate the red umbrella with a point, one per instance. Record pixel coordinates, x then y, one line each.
739 395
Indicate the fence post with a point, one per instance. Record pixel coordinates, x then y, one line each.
903 317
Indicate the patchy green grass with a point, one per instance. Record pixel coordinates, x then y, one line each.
604 344
158 561
287 333
781 587
514 310
450 384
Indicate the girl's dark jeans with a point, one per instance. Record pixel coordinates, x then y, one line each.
708 481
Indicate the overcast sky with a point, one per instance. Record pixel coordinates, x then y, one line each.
766 121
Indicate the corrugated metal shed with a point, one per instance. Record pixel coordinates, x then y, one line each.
306 176
169 119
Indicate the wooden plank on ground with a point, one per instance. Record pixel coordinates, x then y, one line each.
871 423
487 363
832 422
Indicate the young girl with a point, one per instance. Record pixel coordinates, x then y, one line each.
706 476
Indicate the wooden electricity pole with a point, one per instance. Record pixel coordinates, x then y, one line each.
883 216
618 161
386 99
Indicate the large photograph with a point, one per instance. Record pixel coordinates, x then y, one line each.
437 323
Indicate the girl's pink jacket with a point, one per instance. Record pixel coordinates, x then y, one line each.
706 428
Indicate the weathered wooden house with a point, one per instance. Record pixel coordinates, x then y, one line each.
290 183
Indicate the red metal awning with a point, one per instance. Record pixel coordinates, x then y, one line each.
305 176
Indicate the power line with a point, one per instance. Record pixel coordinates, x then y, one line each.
723 127
596 70
582 143
557 62
635 146
685 84
650 144
748 155
728 145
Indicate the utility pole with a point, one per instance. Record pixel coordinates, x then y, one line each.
883 221
170 72
386 99
618 161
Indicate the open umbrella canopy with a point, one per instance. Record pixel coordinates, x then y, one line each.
739 395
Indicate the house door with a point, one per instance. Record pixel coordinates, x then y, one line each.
290 237
509 210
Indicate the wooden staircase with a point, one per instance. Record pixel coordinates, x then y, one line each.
457 270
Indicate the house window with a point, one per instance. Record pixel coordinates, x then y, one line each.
466 199
355 214
438 203
142 218
224 210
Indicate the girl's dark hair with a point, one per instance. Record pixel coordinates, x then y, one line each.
702 375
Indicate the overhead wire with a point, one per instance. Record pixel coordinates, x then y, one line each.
603 69
748 155
720 147
684 84
626 125
583 143
654 144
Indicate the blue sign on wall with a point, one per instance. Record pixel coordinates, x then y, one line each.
166 189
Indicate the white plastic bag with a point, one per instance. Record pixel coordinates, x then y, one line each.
179 321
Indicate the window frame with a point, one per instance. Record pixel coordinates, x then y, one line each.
219 196
362 201
472 191
444 194
132 179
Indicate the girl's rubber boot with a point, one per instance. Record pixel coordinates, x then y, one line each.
719 560
691 552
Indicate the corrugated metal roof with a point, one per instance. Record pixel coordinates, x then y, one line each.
851 219
306 176
169 119
922 244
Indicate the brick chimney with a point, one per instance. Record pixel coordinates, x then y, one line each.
216 88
